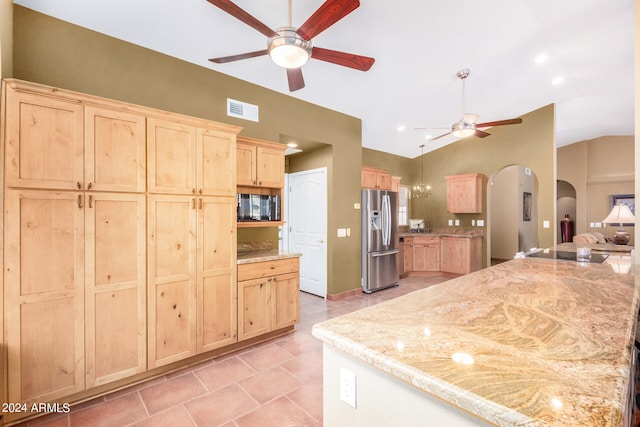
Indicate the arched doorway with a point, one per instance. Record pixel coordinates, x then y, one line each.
512 215
566 204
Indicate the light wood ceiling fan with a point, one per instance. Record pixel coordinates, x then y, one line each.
291 47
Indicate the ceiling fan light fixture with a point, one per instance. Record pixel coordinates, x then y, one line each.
288 49
462 129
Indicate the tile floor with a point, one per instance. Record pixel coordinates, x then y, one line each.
278 383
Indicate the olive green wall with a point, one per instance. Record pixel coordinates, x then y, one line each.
395 165
531 144
6 38
56 53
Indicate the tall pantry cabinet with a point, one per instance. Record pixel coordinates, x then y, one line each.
192 240
74 224
119 240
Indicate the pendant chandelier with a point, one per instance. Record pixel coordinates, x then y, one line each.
421 191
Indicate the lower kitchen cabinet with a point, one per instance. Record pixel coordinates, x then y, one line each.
426 254
461 255
268 296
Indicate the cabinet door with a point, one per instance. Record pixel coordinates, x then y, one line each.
171 278
216 273
455 255
216 163
407 255
115 286
171 157
286 300
432 253
369 179
115 155
44 295
254 309
419 257
270 164
464 193
383 181
246 164
44 142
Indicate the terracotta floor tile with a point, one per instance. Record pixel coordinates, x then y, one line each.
50 420
280 412
297 344
266 357
223 373
309 397
135 388
171 392
115 412
307 366
221 406
174 417
267 385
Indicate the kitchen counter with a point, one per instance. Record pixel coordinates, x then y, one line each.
529 342
261 255
445 232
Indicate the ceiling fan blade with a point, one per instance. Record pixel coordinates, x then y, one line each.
500 123
330 12
441 136
296 81
239 13
362 63
481 133
232 58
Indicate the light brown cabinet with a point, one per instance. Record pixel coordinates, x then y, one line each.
426 254
260 163
192 276
464 193
268 296
461 255
186 159
376 178
80 268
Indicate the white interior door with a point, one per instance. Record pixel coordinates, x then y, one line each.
307 226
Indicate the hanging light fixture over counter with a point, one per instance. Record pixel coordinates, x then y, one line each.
421 190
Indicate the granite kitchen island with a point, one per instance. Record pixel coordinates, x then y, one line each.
530 342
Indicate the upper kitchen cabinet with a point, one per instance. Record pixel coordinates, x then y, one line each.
376 178
260 163
464 193
188 159
61 144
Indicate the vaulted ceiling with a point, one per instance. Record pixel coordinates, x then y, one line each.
522 55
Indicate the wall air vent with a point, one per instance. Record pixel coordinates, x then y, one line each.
242 110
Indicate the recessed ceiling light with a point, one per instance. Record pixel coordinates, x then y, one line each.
292 145
428 137
543 57
401 128
557 80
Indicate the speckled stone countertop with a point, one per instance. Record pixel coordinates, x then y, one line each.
551 341
445 232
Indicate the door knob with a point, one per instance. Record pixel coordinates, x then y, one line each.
320 241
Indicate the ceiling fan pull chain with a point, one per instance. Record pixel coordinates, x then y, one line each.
290 20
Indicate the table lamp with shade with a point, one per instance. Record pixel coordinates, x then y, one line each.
620 214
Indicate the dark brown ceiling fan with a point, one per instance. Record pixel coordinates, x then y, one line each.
467 125
291 47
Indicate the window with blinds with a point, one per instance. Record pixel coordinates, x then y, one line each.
403 205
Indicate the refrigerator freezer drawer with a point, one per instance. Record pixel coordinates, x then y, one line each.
381 271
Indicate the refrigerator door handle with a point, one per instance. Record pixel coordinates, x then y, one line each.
384 253
385 219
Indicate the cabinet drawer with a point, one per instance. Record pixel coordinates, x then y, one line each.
423 240
257 270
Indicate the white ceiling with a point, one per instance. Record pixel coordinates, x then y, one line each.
419 45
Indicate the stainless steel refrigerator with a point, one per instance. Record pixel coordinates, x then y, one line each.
379 240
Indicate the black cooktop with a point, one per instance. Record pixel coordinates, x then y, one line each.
568 256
